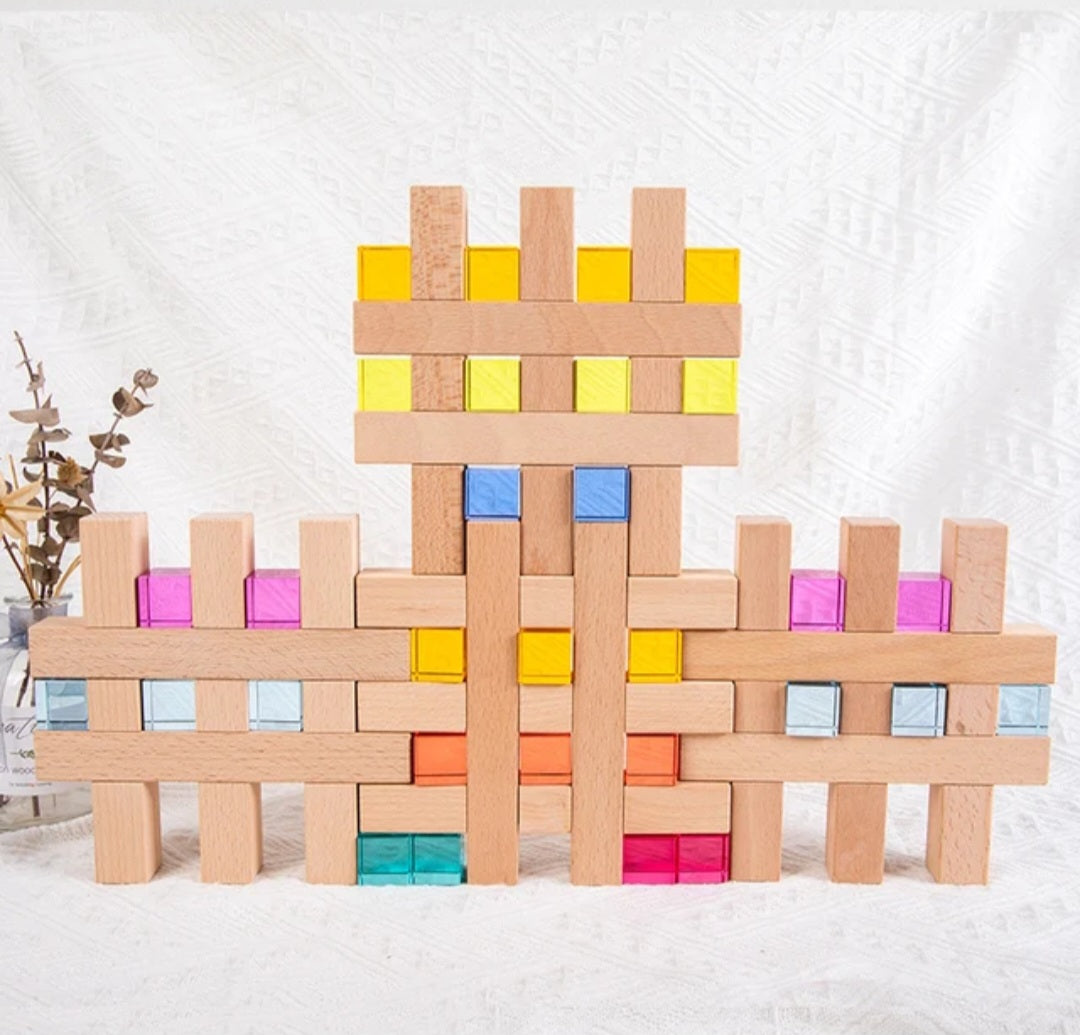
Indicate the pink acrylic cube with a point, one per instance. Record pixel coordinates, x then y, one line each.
649 859
164 598
817 601
704 858
273 598
923 601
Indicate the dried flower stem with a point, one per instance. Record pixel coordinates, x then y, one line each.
23 576
43 449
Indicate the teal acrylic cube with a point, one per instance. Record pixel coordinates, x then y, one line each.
918 710
276 705
384 858
438 859
168 704
61 704
1024 710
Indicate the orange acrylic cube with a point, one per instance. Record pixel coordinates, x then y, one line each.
545 758
438 758
652 760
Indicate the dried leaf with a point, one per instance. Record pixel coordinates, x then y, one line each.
46 416
56 435
109 460
52 547
145 379
68 528
126 404
36 381
37 553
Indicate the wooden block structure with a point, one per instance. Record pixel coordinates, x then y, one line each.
546 667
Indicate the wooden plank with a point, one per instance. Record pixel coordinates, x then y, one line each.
387 599
656 384
114 704
547 384
438 383
763 570
690 600
656 520
971 708
599 702
547 243
705 707
959 828
438 509
538 438
547 328
226 757
686 808
115 552
544 809
492 600
329 559
411 707
408 809
658 242
127 829
547 601
973 557
546 709
437 235
547 512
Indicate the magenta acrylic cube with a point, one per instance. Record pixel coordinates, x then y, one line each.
649 859
273 598
704 858
923 601
817 601
164 598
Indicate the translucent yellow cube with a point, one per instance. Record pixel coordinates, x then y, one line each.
384 273
710 385
655 656
385 383
602 385
603 274
437 655
491 274
493 384
545 657
712 275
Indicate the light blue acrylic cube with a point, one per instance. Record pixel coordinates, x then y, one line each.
384 858
168 704
61 704
438 859
275 705
1024 710
812 710
918 710
492 493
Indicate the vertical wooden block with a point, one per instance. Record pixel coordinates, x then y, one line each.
655 384
547 244
657 241
973 556
547 384
127 816
599 702
438 383
492 589
763 567
230 814
655 520
438 522
547 512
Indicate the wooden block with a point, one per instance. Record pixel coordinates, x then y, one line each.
959 822
599 719
329 559
546 709
756 830
222 556
491 274
547 243
127 831
438 234
383 273
866 708
438 382
547 511
760 707
855 835
973 558
655 384
546 329
411 707
544 809
686 808
438 516
679 707
115 552
763 570
221 705
230 832
689 600
329 706
492 600
330 827
387 599
547 384
407 809
547 601
971 709
870 563
658 238
655 520
114 704
603 274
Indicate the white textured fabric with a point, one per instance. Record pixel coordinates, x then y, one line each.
187 192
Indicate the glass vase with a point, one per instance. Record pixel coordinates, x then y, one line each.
24 801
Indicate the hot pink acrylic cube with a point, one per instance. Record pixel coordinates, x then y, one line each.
704 858
649 859
164 598
923 601
817 601
273 598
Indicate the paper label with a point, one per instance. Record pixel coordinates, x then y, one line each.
17 775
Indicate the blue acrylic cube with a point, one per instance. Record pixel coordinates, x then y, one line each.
492 493
601 494
275 705
918 710
438 859
61 704
812 710
1024 710
168 704
384 858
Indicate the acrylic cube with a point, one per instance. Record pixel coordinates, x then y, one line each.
437 655
168 704
491 274
602 385
655 656
492 493
923 600
273 598
649 859
603 274
918 710
652 760
164 598
384 273
438 859
492 384
61 704
384 383
384 858
439 759
710 385
275 705
1024 710
601 494
704 858
545 657
544 758
812 710
712 275
817 601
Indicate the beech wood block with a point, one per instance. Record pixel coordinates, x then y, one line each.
855 832
545 709
437 236
544 809
330 828
656 384
690 600
763 570
388 599
655 520
547 602
547 514
329 560
547 328
230 832
127 829
971 708
958 830
411 707
757 811
329 706
686 808
438 382
115 552
547 384
705 707
760 707
409 809
547 243
973 559
114 704
438 511
542 438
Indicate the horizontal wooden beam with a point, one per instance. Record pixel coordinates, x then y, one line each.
701 440
544 809
547 329
705 707
410 707
850 758
408 809
686 808
246 757
1020 654
388 599
692 600
547 601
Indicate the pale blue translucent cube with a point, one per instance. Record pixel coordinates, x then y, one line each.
812 710
168 704
61 704
276 705
918 710
1024 710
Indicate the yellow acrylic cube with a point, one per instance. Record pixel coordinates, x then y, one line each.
602 385
655 656
384 273
710 385
545 657
493 384
437 655
603 274
712 275
491 274
385 383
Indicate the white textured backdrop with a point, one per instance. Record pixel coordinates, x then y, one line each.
188 192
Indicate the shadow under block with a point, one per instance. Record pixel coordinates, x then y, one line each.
388 599
599 702
547 504
409 809
655 520
492 598
438 514
705 707
687 600
685 808
547 601
658 241
547 243
544 809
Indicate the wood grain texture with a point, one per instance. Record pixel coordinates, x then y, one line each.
222 556
115 552
680 707
763 570
973 557
408 809
971 708
547 384
492 600
437 236
547 244
655 520
686 808
329 560
698 599
438 516
544 809
330 825
438 383
114 704
546 709
958 830
656 384
411 707
599 704
387 599
547 601
658 242
127 829
547 513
